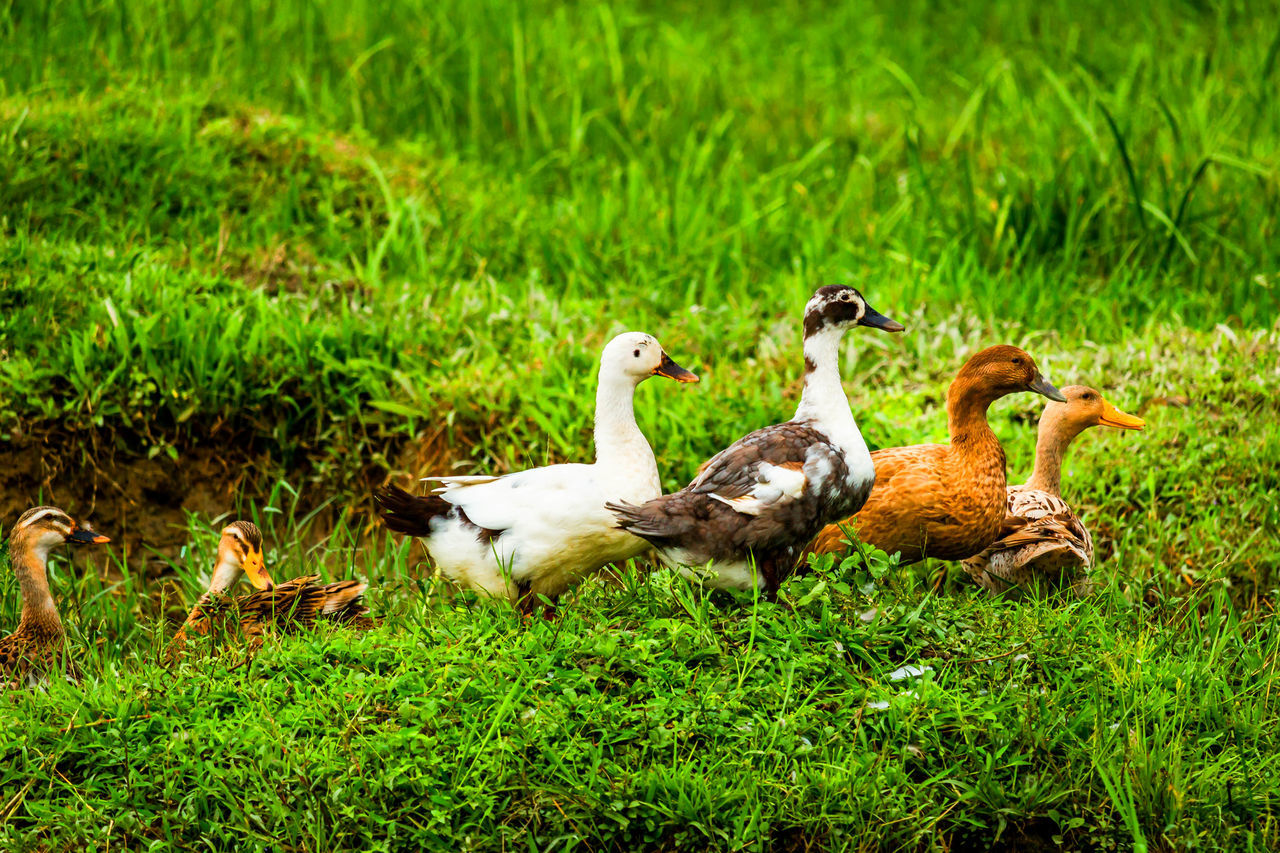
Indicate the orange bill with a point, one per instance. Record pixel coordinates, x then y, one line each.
256 570
84 535
1113 417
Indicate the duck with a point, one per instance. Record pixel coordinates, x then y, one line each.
529 536
36 645
945 500
1042 539
296 603
743 520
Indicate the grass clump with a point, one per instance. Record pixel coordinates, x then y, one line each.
654 716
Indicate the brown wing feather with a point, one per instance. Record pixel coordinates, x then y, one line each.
1041 534
294 603
734 472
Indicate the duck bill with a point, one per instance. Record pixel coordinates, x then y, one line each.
85 536
876 320
1113 417
256 571
671 370
1043 386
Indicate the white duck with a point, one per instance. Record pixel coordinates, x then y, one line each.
537 532
754 505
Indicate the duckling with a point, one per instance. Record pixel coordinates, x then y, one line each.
298 602
538 532
946 500
1042 539
754 505
31 650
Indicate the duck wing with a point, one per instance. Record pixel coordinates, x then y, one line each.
500 503
1040 536
302 601
1033 516
769 467
759 477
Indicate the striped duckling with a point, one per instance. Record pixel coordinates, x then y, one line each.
295 603
754 505
535 533
36 645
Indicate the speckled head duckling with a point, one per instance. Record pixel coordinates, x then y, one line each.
1042 541
946 500
239 550
37 642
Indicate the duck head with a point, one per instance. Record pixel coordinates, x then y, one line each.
240 550
1005 369
838 306
1084 408
44 527
639 356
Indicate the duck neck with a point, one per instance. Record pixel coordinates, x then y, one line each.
30 561
823 400
967 419
618 439
1052 440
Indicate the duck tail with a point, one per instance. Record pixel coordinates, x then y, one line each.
342 601
637 520
410 514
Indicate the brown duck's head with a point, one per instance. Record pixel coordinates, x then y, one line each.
1084 408
838 306
1002 370
47 526
639 356
241 550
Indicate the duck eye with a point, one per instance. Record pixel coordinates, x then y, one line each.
1017 360
636 353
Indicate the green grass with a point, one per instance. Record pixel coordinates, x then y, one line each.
253 257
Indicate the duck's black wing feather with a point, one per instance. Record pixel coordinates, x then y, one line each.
755 494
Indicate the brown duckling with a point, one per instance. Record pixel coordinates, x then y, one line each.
32 649
299 602
946 500
1042 540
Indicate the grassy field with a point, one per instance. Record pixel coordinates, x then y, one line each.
255 258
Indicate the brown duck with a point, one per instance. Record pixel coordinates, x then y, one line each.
299 602
1042 540
946 500
34 648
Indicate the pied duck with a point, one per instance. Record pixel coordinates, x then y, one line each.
36 645
946 500
535 533
755 504
296 603
1042 540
